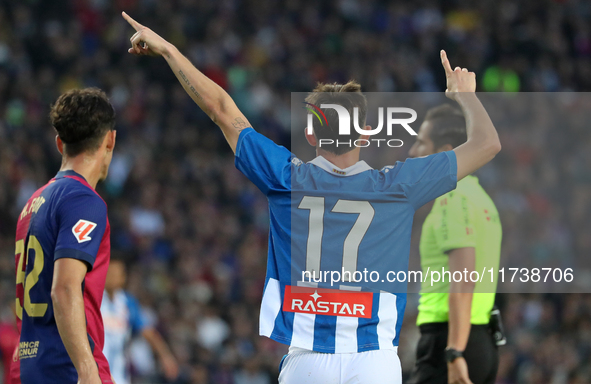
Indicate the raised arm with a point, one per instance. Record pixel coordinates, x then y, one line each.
483 141
210 97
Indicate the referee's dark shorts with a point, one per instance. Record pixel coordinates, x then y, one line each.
481 355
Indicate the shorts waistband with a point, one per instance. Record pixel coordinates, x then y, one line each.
443 326
296 350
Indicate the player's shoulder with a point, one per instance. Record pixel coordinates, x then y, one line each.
66 190
252 139
385 177
124 298
129 297
468 192
132 303
470 189
407 168
479 198
390 169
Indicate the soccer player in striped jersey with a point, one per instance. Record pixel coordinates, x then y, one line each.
62 252
334 212
123 318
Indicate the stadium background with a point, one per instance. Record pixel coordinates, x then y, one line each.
195 230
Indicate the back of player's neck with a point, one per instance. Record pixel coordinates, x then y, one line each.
343 161
82 165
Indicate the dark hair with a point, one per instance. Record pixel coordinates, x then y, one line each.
121 257
347 95
448 126
82 118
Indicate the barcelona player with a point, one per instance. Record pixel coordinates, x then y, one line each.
332 213
62 251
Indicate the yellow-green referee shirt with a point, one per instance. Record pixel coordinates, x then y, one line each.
464 217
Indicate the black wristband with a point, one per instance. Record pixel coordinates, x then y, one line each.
452 354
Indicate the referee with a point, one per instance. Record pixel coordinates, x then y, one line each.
462 232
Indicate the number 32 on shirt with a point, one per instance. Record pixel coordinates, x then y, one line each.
29 280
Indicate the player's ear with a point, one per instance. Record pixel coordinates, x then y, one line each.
110 139
365 137
59 144
310 138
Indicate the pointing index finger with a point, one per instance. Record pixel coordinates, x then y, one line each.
445 63
137 26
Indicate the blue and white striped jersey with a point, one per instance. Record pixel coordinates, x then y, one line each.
123 318
355 221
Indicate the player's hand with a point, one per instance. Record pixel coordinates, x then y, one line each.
457 372
170 367
93 378
145 41
458 80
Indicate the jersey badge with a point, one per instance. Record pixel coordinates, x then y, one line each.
82 229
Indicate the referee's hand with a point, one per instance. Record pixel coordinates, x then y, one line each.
457 372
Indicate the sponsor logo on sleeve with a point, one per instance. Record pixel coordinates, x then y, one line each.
82 229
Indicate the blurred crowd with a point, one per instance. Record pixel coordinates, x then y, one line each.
194 230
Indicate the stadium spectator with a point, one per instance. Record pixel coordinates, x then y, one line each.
9 338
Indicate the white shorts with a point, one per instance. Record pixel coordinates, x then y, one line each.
301 366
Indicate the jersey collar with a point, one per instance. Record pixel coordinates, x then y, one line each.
321 162
76 176
68 172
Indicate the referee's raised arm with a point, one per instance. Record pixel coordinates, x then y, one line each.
483 141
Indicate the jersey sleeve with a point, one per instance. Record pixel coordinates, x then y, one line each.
426 178
81 218
456 229
265 163
137 320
